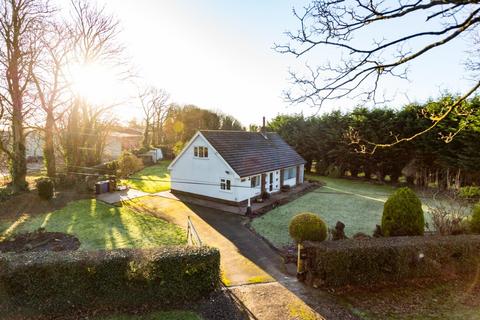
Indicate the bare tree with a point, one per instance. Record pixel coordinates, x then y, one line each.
155 110
162 108
21 24
51 85
95 40
362 68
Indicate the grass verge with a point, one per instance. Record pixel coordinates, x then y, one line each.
151 179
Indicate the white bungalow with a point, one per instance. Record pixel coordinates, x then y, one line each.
234 166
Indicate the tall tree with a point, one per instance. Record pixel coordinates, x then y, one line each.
95 42
161 110
51 85
21 26
154 106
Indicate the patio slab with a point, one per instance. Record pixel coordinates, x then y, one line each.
118 196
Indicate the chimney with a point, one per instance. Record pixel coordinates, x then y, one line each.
263 130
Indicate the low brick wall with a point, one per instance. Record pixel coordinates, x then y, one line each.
366 262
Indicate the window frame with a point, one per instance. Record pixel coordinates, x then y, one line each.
290 173
257 180
200 152
225 185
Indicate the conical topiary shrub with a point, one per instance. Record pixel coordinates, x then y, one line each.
403 214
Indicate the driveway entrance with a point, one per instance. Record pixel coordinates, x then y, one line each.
251 270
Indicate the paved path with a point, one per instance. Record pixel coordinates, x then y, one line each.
236 268
117 196
254 272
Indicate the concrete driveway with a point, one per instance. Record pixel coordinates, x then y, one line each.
252 270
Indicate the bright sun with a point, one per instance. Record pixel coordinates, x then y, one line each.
94 83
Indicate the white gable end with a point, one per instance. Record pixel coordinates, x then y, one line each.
199 171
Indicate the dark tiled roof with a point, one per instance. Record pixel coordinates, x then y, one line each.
250 153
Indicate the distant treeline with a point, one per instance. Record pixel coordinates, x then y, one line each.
329 142
182 122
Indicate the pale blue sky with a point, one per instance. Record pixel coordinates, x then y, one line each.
217 55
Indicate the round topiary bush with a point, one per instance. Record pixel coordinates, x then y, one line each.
475 220
403 214
45 188
307 226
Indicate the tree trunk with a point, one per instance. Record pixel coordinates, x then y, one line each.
146 142
18 161
72 143
368 173
354 172
49 148
308 166
443 180
18 156
410 180
154 134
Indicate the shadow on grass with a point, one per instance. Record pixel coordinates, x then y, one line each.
101 226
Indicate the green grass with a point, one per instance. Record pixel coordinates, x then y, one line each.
169 315
149 178
357 204
101 226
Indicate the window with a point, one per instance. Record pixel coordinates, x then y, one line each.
255 182
200 152
225 184
290 173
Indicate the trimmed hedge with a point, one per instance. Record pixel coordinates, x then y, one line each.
366 262
56 282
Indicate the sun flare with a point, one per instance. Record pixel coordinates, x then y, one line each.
94 83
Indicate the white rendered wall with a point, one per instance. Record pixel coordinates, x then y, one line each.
202 175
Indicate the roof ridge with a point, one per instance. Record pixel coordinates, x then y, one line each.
240 131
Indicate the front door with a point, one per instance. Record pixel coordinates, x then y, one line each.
270 180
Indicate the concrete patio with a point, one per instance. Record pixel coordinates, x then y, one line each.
118 196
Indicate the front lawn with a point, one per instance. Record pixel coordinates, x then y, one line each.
101 226
151 179
359 205
168 315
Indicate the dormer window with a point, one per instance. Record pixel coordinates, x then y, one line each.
200 152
